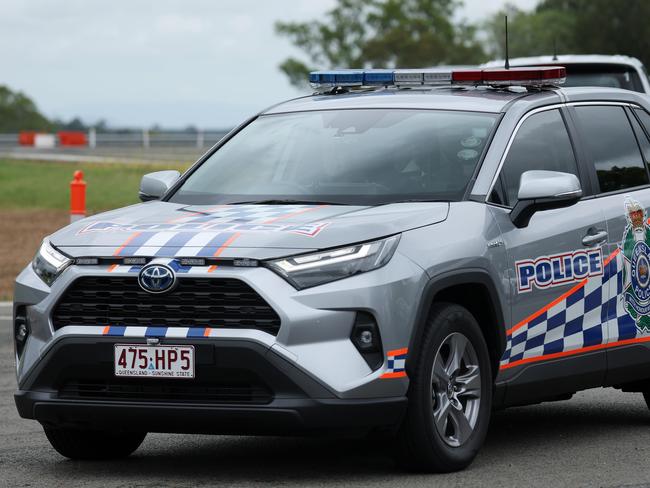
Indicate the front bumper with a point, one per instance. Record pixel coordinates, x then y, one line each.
316 376
251 390
283 417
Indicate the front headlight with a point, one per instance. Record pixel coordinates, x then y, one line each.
308 270
49 263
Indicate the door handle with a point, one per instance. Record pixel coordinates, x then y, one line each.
594 237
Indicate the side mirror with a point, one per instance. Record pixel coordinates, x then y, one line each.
154 185
544 190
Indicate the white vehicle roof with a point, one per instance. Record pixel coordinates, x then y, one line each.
576 60
569 59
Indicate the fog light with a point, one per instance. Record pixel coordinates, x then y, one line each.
365 337
21 330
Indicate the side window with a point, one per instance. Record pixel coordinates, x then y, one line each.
541 143
612 147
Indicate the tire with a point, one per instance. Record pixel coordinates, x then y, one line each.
447 445
89 444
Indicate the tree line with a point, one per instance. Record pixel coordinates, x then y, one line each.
19 112
423 33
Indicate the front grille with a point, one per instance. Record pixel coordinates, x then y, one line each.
166 391
195 302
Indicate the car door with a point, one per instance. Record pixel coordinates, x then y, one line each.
556 271
611 135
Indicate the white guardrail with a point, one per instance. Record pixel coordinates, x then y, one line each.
143 139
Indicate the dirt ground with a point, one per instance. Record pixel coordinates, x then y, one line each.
21 232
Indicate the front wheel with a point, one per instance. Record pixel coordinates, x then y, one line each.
90 444
450 393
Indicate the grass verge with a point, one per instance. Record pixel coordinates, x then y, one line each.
31 185
35 200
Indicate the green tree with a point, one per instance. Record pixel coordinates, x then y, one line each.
576 27
18 112
530 33
381 33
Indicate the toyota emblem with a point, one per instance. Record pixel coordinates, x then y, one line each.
156 278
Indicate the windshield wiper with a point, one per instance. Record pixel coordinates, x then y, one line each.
286 201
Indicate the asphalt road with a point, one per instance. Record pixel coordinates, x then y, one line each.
599 438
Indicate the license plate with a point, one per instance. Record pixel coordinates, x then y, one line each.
154 361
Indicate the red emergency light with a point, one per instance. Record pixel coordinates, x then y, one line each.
543 75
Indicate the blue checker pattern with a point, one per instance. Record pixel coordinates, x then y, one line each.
569 325
244 213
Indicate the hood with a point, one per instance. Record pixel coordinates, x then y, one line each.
257 231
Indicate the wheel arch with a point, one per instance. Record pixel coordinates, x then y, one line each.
473 289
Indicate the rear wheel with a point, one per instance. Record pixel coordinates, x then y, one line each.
91 444
450 393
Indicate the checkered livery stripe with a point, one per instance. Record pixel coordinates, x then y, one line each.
589 316
203 233
172 263
169 332
396 364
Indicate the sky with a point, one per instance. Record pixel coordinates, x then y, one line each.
135 63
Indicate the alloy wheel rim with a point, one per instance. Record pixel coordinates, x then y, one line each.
455 389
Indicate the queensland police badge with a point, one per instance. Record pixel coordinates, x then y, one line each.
636 269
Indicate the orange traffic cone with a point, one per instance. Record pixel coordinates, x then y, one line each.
77 197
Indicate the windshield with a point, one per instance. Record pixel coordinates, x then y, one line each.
608 75
354 157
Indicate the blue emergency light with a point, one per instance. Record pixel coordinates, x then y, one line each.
342 77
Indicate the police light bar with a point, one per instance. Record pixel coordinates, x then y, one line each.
535 76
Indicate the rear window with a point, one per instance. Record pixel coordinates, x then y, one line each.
602 74
607 75
612 147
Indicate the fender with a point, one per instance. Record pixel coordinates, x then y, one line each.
465 276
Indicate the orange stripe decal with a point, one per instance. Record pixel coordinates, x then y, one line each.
398 352
611 256
206 332
106 330
226 244
399 374
112 267
596 347
293 214
126 243
230 240
532 317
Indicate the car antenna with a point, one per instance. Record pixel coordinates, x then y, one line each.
554 49
507 56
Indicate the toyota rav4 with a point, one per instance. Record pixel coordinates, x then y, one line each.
401 252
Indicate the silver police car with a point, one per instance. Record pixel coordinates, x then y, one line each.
401 252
